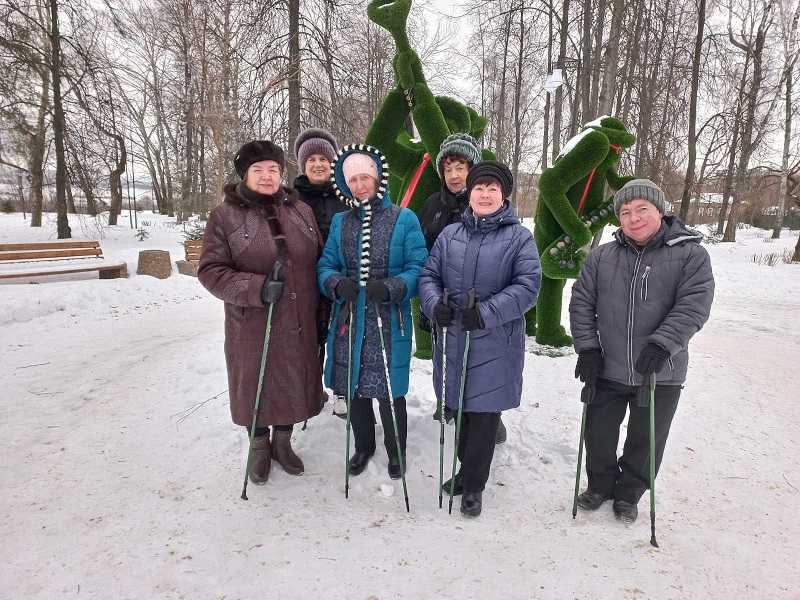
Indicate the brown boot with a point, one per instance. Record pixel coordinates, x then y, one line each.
260 460
283 453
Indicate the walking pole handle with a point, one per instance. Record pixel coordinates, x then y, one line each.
276 270
445 296
471 298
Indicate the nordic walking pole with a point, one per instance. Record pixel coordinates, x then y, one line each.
443 331
587 393
653 541
349 397
470 304
391 404
276 271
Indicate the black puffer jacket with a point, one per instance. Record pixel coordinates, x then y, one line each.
441 209
322 200
626 297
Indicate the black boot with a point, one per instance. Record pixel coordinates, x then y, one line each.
458 489
449 414
358 462
591 500
394 468
625 511
471 504
502 434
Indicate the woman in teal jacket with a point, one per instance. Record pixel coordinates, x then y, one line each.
371 261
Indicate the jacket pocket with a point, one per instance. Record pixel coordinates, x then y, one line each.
644 289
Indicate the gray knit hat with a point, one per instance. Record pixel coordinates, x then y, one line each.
314 141
461 145
640 188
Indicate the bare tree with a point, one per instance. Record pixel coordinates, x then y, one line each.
791 52
696 58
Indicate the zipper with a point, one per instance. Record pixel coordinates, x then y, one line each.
671 364
400 321
631 306
644 283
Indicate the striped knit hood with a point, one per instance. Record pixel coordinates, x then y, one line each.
344 194
337 172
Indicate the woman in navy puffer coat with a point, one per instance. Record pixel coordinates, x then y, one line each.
491 252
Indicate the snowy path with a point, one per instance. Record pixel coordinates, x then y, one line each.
106 495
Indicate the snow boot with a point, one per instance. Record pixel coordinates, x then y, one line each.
394 468
625 511
260 461
458 489
359 461
471 504
449 415
283 453
502 434
591 500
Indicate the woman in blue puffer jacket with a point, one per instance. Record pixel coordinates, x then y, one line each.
370 264
491 253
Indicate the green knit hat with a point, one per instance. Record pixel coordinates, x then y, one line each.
460 145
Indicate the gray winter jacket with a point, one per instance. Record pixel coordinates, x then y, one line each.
626 297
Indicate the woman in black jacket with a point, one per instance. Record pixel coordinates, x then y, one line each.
315 150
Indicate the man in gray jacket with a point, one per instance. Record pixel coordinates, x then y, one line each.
636 304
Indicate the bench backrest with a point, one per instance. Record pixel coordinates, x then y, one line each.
193 249
51 250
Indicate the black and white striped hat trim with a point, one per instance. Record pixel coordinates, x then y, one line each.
383 184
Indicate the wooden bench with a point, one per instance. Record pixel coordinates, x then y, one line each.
45 256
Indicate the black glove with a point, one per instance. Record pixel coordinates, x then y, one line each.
442 314
651 359
471 319
424 323
589 366
377 291
271 291
347 289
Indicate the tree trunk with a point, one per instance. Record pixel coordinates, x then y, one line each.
294 81
583 89
698 50
742 178
727 190
608 89
791 57
632 60
58 124
517 97
596 62
500 134
787 138
546 133
559 100
70 198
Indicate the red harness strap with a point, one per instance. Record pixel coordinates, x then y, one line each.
616 148
412 186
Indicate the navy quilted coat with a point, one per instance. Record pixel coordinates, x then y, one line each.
497 257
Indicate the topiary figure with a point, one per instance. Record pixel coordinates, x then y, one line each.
413 174
572 208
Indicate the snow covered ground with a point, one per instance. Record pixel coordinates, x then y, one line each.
122 472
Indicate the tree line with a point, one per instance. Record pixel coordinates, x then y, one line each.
175 86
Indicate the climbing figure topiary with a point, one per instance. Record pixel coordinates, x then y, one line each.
572 208
413 174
